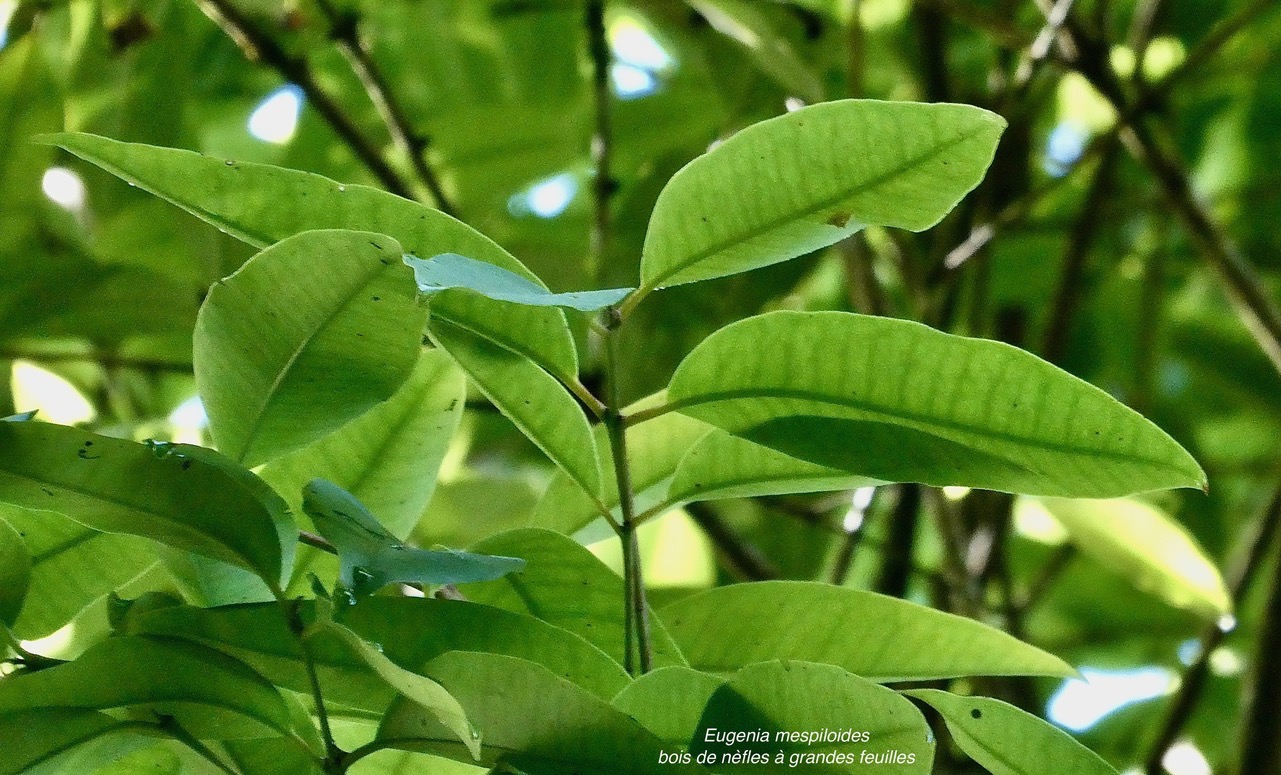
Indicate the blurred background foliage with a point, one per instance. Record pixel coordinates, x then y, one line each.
1072 248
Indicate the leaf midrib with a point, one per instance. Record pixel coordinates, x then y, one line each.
862 187
923 419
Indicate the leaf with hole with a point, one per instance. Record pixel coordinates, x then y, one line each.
157 491
305 337
881 638
371 558
808 179
1009 741
896 401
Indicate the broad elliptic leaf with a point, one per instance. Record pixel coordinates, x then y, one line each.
411 632
72 566
15 573
881 638
388 457
531 719
450 270
208 692
155 491
370 558
566 585
424 692
306 336
538 405
808 179
261 204
1009 741
669 702
33 736
818 718
1148 547
898 401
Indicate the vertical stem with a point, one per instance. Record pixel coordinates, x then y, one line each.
636 607
603 183
333 754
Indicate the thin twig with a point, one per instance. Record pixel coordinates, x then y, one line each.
603 184
1193 682
344 30
741 557
260 47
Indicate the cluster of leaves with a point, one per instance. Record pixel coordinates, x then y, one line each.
336 364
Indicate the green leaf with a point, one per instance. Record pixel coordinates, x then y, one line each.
15 573
158 492
306 336
531 719
388 457
566 585
881 638
72 566
1147 547
1009 741
371 558
802 181
531 398
411 631
897 401
785 698
669 702
424 692
37 735
450 270
262 205
208 692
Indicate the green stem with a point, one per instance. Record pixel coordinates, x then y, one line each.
636 608
333 754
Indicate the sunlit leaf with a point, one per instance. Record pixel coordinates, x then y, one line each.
1148 547
450 270
803 181
306 336
897 401
157 492
531 720
41 734
878 637
669 702
1009 741
371 558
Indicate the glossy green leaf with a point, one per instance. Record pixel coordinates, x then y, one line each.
803 181
805 699
157 492
33 736
1148 547
411 631
897 401
531 720
262 205
371 558
878 637
388 457
72 567
669 702
566 585
1009 741
208 692
15 573
531 398
306 336
450 270
428 695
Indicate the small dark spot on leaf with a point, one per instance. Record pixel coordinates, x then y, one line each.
385 261
976 713
83 454
88 443
186 464
47 491
838 220
377 298
375 244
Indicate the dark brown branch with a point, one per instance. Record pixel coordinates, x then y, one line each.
741 557
260 47
603 184
344 30
1263 727
896 560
